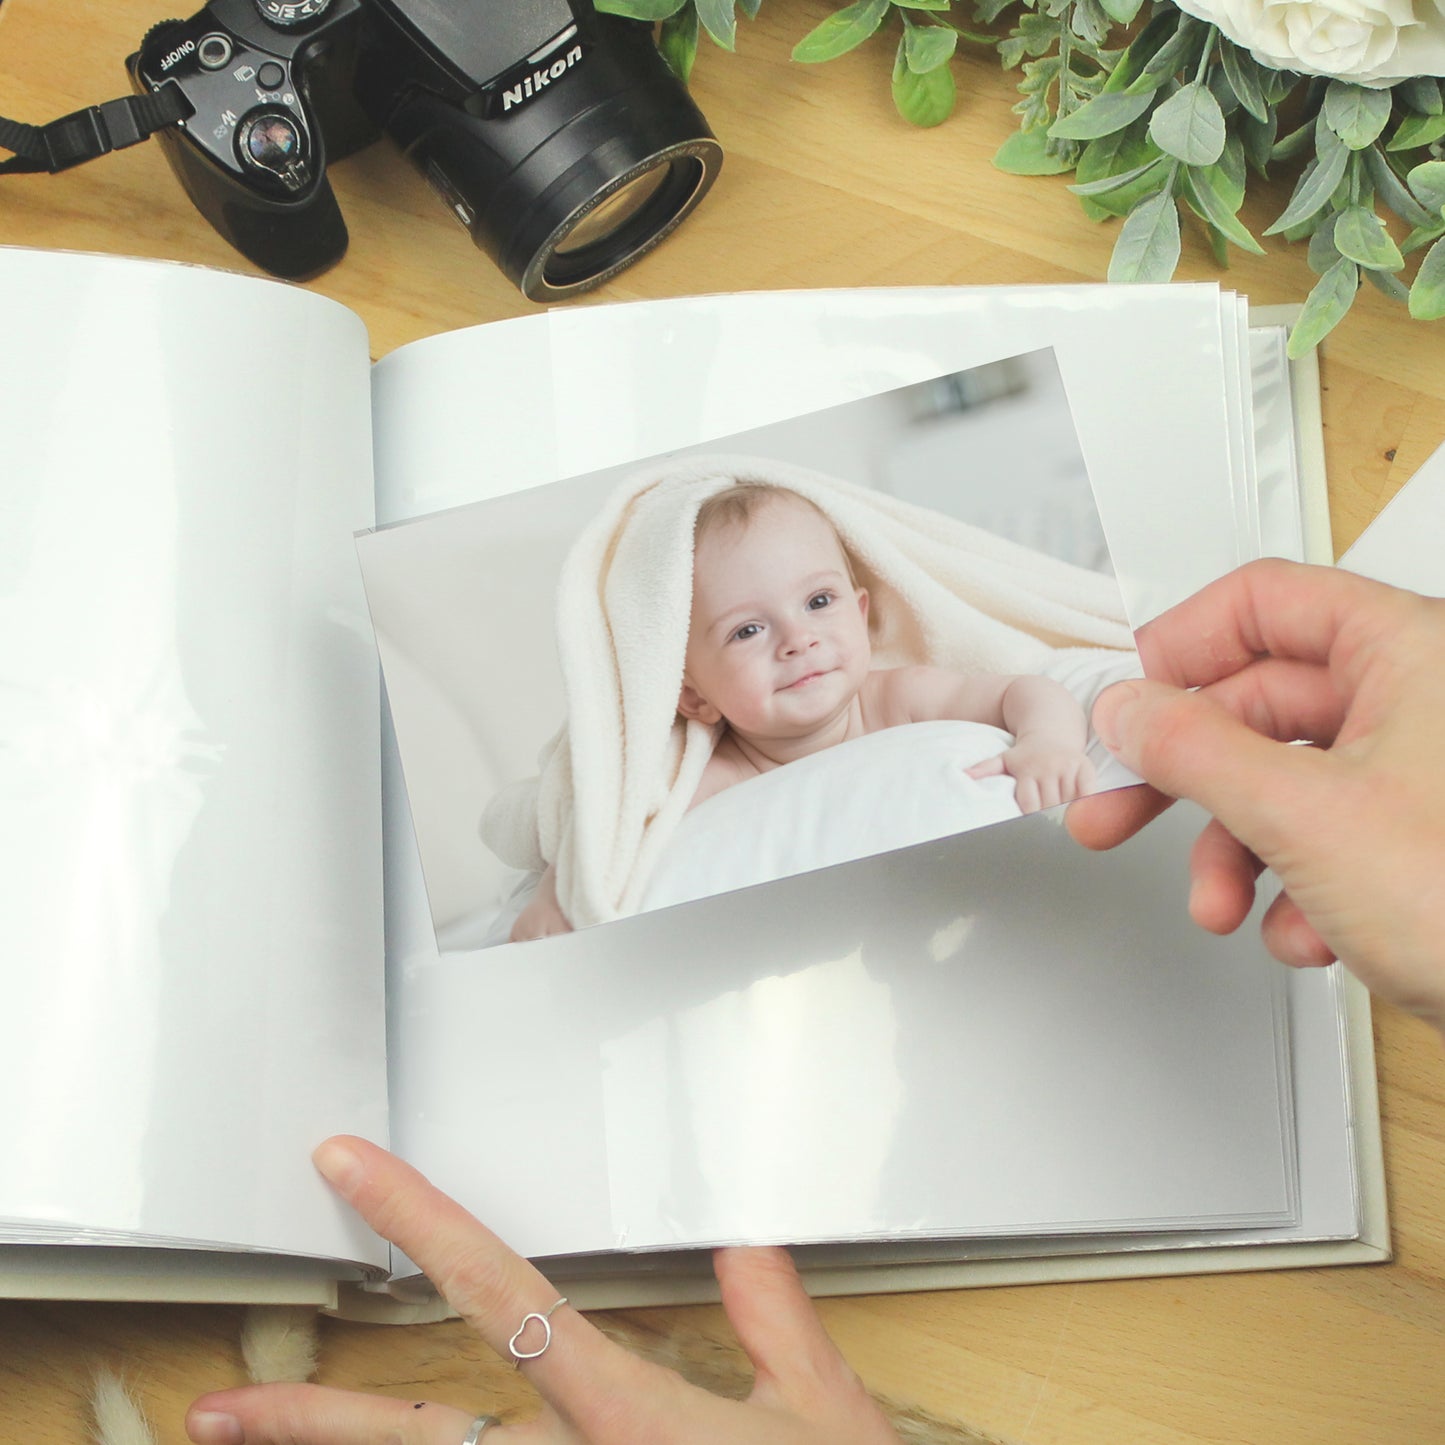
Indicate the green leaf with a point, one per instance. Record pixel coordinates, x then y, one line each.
1025 154
1121 12
677 41
1112 155
1420 236
1324 308
1141 50
841 32
1105 184
1360 235
1355 113
1393 191
650 10
1148 244
1390 284
1278 84
1189 126
1294 144
719 18
922 99
1315 188
1207 191
1421 94
1427 181
1181 51
1322 253
1241 70
923 4
1258 137
1416 130
751 8
926 47
1427 294
1101 116
1088 20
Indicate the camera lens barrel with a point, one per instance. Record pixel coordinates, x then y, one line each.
604 157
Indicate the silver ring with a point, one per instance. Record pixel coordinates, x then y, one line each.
480 1426
518 1354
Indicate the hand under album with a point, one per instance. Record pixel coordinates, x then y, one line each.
594 1392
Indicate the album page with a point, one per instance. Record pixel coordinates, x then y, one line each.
190 923
872 972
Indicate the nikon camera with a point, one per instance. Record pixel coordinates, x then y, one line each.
557 136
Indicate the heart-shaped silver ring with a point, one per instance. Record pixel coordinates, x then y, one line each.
514 1344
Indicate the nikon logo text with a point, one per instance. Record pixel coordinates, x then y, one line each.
179 53
538 80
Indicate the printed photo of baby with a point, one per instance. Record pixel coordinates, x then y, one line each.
765 668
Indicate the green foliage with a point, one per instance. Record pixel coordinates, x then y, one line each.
1152 109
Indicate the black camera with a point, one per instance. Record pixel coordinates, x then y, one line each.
557 135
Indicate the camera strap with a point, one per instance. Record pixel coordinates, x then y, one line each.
95 131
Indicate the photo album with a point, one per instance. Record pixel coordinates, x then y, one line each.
617 759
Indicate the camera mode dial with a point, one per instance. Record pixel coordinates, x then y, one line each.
289 13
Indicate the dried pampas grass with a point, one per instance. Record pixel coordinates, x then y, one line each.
119 1419
279 1343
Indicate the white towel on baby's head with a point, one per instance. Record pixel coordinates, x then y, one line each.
624 768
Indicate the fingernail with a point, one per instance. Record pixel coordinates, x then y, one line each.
1109 709
339 1165
206 1427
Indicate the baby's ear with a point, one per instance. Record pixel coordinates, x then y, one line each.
863 603
692 705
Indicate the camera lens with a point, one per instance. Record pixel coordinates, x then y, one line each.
613 211
578 178
615 229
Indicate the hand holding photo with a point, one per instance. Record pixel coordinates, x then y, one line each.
766 669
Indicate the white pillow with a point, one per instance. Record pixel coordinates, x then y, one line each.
882 791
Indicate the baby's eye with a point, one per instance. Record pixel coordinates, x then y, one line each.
747 630
819 600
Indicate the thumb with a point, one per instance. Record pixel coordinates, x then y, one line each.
1189 746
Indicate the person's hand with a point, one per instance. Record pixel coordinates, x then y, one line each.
594 1392
1045 772
1353 827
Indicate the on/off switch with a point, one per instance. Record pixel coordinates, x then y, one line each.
271 76
214 51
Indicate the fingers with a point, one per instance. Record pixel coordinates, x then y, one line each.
797 1365
1278 698
1188 745
1283 609
988 768
1223 872
1104 820
484 1281
1284 699
314 1415
1291 937
775 1321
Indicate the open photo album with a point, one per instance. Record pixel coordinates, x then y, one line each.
617 759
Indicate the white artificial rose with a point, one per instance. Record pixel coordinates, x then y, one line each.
1370 42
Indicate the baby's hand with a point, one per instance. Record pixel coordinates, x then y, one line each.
543 916
1045 772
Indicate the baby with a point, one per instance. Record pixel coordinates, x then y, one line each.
778 657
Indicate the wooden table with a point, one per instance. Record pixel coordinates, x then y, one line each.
824 186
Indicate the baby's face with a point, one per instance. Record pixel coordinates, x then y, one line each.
779 638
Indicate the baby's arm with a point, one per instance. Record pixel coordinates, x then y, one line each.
543 916
1047 759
